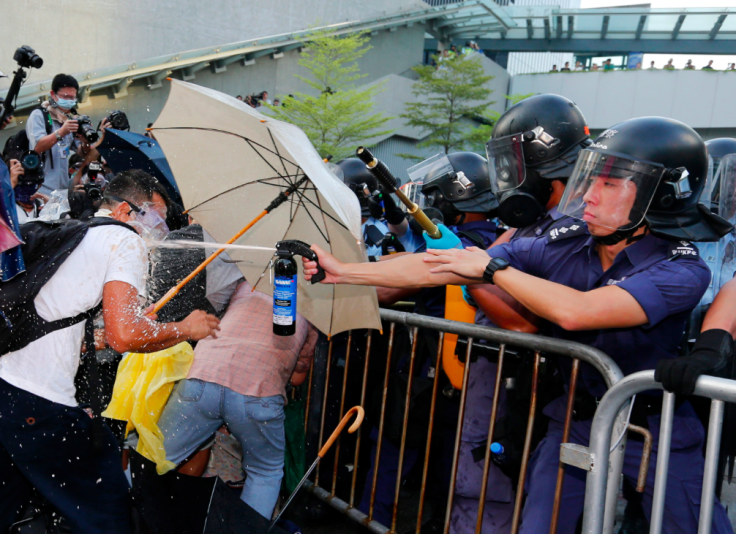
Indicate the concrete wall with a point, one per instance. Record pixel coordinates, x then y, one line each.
81 35
703 100
395 51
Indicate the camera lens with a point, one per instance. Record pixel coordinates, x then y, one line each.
31 161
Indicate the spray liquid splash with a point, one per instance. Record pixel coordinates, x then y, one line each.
185 244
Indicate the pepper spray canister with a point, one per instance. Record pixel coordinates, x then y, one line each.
284 295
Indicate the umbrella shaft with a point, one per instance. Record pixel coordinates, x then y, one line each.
293 493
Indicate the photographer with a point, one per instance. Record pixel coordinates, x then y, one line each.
28 201
45 436
57 146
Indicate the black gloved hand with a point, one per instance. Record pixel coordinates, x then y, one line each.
711 352
394 214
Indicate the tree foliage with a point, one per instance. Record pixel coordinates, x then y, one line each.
447 99
341 117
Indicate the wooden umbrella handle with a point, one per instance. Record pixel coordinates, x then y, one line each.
356 424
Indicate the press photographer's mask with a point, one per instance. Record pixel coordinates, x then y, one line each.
24 192
65 103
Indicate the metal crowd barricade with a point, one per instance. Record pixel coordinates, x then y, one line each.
719 390
326 490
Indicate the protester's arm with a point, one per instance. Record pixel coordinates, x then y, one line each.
504 310
306 355
722 313
606 307
127 330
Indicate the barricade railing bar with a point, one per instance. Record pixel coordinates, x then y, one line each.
719 390
538 345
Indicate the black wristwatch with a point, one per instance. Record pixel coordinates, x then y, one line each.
496 264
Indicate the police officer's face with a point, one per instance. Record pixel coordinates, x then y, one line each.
608 204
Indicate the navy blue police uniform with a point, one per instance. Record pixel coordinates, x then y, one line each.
667 278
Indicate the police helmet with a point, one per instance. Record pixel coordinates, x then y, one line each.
717 148
360 180
459 183
535 141
655 169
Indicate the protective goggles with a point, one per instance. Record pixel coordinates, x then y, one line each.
614 192
149 222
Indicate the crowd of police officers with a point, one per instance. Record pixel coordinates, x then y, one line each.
577 239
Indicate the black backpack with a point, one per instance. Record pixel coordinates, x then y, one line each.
18 144
47 244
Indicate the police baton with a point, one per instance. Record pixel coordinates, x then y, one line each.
384 176
326 447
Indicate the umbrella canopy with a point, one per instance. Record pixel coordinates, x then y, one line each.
127 150
230 162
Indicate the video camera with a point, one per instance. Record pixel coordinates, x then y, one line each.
26 58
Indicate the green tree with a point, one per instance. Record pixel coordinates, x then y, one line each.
448 98
341 116
478 137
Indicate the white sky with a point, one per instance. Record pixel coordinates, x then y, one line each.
719 62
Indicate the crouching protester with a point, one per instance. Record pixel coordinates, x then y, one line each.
47 441
239 380
622 278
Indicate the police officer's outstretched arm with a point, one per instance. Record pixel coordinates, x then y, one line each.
410 271
712 350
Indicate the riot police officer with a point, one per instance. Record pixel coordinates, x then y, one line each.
623 282
374 208
457 186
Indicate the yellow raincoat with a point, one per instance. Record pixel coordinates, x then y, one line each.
142 387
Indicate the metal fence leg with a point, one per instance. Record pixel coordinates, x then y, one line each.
402 447
516 520
489 440
392 331
458 436
565 437
309 399
663 462
425 470
707 500
359 434
324 409
342 411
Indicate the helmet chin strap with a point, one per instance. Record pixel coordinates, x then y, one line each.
619 235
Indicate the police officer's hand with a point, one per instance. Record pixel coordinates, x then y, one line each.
469 263
70 126
711 352
16 171
199 325
329 263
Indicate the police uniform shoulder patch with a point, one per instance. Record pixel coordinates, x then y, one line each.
682 249
566 231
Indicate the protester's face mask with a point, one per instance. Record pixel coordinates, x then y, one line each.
149 223
24 192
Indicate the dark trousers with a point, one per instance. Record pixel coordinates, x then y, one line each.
48 446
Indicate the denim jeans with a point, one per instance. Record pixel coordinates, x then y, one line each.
195 411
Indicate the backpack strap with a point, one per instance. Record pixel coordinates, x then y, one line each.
474 238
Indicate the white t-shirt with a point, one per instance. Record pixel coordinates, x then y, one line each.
47 366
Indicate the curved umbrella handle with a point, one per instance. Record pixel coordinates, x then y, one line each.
356 424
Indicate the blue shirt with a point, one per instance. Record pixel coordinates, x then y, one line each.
431 301
667 278
409 240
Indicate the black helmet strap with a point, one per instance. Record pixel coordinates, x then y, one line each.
619 235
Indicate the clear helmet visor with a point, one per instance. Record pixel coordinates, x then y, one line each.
506 163
608 191
725 179
423 173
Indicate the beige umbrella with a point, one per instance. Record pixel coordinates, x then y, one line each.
230 162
